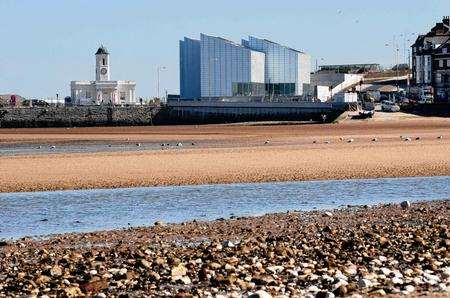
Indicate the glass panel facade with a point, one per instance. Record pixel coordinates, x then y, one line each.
213 67
224 63
249 89
189 69
283 66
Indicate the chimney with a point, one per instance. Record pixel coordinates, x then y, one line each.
446 22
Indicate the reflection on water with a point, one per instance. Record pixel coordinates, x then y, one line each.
43 213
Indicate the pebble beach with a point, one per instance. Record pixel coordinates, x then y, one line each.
393 249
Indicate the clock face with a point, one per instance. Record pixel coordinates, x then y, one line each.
103 71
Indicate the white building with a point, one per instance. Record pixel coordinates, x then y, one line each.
103 90
332 86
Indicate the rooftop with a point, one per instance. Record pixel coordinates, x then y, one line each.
102 51
272 42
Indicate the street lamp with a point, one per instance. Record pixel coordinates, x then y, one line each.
396 49
158 71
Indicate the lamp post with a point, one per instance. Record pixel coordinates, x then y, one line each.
158 71
396 50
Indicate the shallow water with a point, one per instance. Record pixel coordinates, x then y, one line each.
43 213
27 149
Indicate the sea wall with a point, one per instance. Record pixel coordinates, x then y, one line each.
206 112
173 113
76 116
429 109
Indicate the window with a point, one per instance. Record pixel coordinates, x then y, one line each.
122 96
444 51
104 61
441 63
448 62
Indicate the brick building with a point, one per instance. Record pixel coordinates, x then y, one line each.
431 60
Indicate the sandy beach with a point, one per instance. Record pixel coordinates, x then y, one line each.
370 251
226 154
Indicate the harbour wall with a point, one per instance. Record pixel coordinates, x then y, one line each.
18 117
428 109
203 112
173 113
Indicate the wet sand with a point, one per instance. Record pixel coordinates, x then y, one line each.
227 154
383 250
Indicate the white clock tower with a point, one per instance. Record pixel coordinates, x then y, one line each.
103 91
102 64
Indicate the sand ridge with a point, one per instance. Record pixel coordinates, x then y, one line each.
230 154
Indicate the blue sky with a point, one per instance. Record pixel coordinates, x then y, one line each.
48 43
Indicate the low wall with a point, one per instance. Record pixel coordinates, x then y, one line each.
77 116
174 113
205 112
429 109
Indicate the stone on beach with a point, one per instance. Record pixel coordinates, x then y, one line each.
178 271
405 204
364 283
260 294
360 251
160 223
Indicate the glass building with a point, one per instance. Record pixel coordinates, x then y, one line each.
287 71
229 69
190 68
214 68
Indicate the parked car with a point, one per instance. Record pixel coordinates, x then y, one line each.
426 95
403 100
389 106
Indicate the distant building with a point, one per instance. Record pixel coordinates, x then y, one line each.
11 100
431 60
190 68
287 71
327 85
215 68
103 90
351 68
